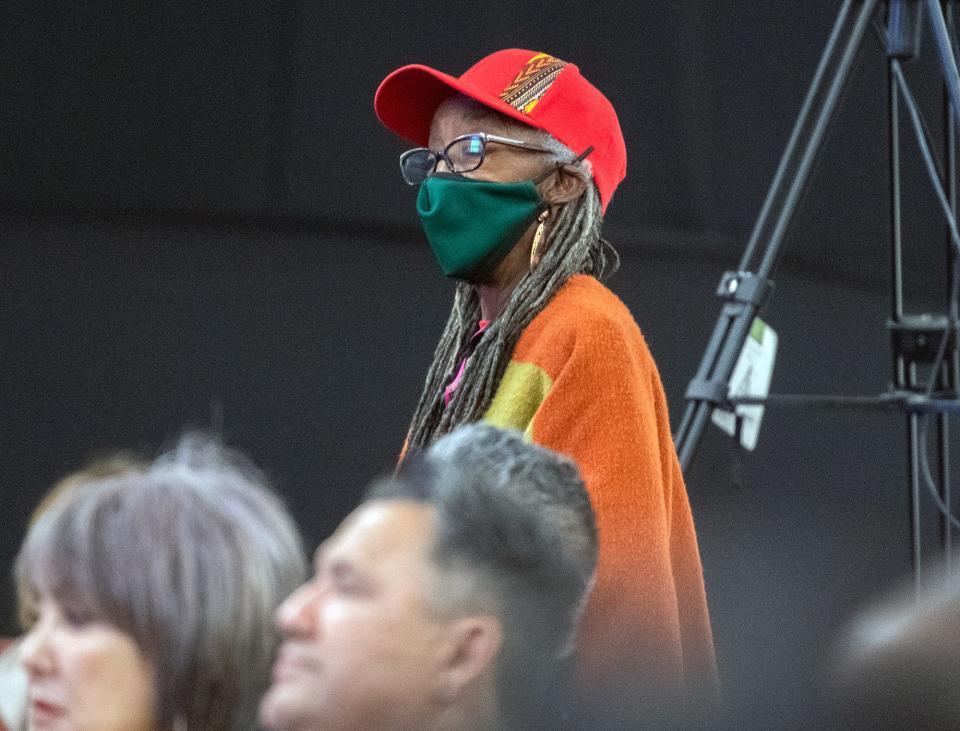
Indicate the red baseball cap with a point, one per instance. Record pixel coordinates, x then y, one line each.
533 88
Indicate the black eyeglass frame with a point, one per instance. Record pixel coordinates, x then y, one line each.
439 155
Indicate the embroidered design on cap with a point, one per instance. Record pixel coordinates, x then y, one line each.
532 82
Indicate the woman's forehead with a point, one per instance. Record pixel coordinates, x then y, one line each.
459 115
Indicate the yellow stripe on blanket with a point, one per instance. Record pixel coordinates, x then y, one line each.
523 388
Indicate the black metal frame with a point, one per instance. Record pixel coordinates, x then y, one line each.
917 341
484 138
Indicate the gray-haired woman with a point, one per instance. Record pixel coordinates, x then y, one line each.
155 592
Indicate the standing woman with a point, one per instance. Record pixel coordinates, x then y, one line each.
520 157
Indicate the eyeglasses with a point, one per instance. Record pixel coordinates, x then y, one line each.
463 155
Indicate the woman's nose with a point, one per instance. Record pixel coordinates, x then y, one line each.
443 166
36 655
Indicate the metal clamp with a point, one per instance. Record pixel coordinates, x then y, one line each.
744 287
712 391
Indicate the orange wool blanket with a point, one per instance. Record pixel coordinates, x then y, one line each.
582 382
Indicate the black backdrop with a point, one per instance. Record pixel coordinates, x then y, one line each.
202 225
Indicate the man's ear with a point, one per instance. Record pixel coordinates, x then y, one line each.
567 184
475 642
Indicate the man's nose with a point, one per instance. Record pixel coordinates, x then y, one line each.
296 616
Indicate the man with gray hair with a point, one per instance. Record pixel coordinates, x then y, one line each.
448 599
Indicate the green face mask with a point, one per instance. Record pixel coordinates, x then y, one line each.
472 225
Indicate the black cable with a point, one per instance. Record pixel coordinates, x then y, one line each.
931 484
936 176
927 155
880 32
948 59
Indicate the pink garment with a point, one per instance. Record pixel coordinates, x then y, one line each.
452 386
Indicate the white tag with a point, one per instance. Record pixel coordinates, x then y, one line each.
751 377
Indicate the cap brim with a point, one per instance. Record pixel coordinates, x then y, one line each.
407 99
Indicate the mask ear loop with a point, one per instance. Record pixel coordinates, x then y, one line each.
582 156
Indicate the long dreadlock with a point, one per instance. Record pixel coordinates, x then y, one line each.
574 246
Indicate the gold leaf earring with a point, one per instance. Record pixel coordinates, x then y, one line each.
538 237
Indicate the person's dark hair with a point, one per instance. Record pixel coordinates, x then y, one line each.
573 245
895 664
516 537
190 556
